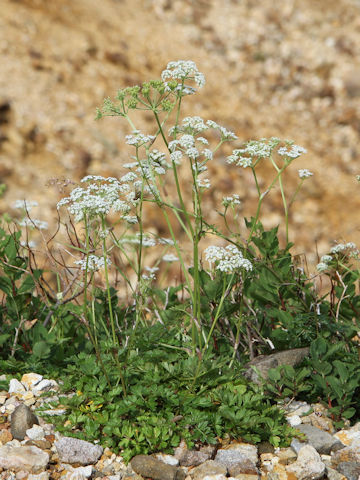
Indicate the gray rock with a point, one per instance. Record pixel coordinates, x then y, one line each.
333 474
308 465
350 470
320 440
263 363
151 467
73 450
22 419
30 459
210 467
296 445
193 458
237 453
246 466
347 454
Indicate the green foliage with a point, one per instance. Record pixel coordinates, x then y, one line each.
161 408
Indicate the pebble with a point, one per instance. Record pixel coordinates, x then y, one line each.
74 450
44 454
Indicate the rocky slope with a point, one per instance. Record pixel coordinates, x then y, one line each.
289 69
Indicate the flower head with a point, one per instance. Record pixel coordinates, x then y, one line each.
180 71
231 200
25 204
170 257
227 259
305 173
138 139
294 152
225 134
92 263
97 199
39 224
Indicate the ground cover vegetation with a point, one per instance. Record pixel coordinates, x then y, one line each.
163 363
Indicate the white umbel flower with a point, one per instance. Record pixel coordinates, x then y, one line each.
227 259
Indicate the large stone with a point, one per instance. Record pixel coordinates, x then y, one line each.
263 363
347 454
29 380
321 441
73 450
350 435
22 419
237 453
31 459
210 467
16 387
308 465
151 467
351 470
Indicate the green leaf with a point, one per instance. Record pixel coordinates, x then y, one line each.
6 285
41 349
27 286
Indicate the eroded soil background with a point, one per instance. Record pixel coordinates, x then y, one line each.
289 68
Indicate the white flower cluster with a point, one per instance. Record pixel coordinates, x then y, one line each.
92 263
194 124
254 149
183 70
97 199
225 134
345 247
231 200
203 183
151 273
39 224
227 259
349 249
305 173
139 139
185 145
295 151
170 257
166 241
25 204
147 241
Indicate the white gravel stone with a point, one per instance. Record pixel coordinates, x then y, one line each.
16 387
54 412
293 420
44 386
35 433
29 380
